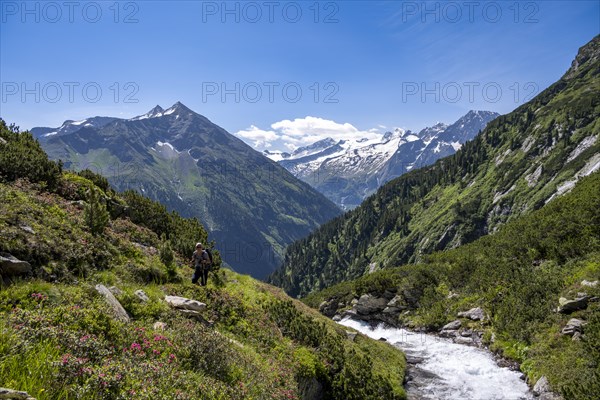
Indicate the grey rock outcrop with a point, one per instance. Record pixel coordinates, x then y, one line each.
11 266
452 326
182 303
476 314
28 229
589 283
541 386
115 290
328 307
566 306
118 310
573 326
142 295
14 394
368 304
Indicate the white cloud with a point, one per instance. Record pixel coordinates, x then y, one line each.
291 134
258 137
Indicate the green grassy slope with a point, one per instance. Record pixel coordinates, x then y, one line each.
59 340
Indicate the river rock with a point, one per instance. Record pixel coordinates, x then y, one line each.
476 314
10 266
452 326
368 304
182 303
463 340
541 386
589 284
337 318
449 333
574 325
14 394
118 310
566 306
142 295
351 335
543 390
466 333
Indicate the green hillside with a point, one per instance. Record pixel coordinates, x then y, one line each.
519 162
62 234
517 277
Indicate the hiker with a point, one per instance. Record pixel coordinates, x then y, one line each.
201 262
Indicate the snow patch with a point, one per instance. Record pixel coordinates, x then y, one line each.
456 146
161 144
50 134
78 122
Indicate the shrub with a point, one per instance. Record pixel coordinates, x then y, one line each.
22 157
95 213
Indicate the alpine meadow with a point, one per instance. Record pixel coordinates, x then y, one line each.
327 200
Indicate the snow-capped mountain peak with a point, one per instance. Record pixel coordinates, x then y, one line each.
347 171
178 109
155 112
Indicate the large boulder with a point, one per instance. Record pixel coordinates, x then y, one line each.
566 306
182 303
476 314
14 394
11 266
368 304
118 310
541 386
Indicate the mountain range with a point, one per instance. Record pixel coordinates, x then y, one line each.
348 171
520 162
251 206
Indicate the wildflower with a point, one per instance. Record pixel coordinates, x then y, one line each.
135 346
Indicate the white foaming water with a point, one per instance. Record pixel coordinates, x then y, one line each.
460 372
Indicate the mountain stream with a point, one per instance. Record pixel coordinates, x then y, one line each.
439 369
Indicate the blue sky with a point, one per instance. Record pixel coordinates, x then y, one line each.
283 73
